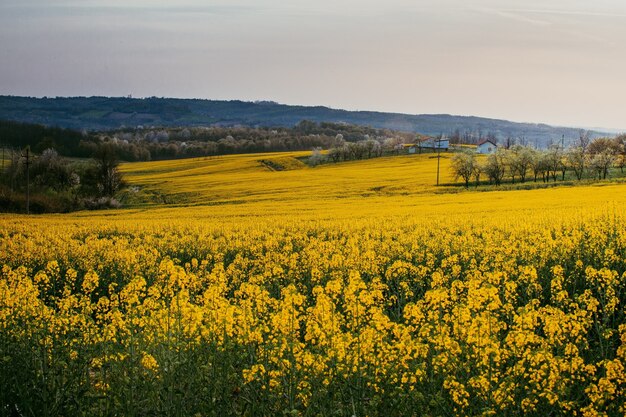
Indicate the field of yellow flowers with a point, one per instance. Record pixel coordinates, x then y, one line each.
356 289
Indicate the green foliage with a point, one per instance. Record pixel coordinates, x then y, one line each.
17 135
465 166
56 185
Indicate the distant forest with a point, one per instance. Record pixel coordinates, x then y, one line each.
141 144
106 113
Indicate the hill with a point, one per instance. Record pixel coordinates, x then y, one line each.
245 179
103 113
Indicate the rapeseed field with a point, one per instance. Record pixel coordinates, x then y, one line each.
356 289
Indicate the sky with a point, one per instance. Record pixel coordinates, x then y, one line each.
561 62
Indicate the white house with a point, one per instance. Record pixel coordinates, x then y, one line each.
486 147
432 143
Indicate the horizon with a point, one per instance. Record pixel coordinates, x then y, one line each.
556 63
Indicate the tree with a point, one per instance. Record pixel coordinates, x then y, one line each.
620 161
524 161
306 126
393 144
338 141
545 166
603 152
15 171
464 165
576 160
601 163
455 137
604 144
334 154
316 157
477 171
495 167
107 176
621 156
355 150
371 147
537 164
519 159
553 161
584 138
50 170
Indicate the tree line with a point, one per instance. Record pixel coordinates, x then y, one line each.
341 150
140 144
49 182
586 159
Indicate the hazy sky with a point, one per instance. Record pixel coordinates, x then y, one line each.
554 61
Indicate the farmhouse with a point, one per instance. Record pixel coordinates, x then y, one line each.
486 147
433 143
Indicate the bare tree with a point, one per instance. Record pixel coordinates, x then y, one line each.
584 138
108 177
604 144
478 170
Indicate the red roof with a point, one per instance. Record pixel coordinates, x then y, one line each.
482 142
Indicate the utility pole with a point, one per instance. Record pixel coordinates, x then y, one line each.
438 157
28 162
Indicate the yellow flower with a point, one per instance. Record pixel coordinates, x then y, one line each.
149 363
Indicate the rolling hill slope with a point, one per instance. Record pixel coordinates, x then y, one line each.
98 113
